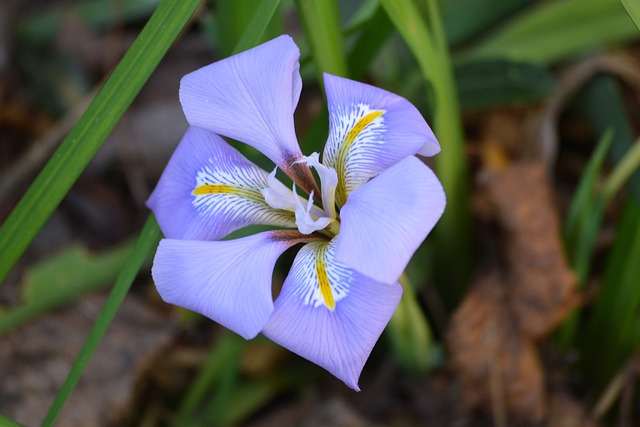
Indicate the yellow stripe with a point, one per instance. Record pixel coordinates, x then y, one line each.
213 189
323 280
228 189
343 151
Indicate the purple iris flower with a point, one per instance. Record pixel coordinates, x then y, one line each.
359 226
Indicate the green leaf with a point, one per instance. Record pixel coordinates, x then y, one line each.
63 278
79 147
557 30
263 15
464 19
582 204
493 83
74 269
322 26
146 243
7 422
374 33
628 165
633 9
240 25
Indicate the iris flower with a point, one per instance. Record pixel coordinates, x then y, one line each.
374 204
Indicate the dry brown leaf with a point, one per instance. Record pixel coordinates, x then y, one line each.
541 285
492 337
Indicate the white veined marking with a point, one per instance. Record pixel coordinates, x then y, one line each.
306 273
354 146
235 193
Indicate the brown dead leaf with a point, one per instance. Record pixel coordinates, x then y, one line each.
496 364
493 334
540 281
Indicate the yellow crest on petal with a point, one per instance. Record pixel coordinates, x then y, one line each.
323 279
345 147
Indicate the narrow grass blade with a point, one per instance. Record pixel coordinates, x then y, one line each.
146 243
322 26
611 333
623 171
75 152
430 51
582 242
582 226
254 32
230 20
584 198
240 25
541 33
633 9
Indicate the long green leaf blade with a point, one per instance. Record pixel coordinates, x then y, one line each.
322 25
79 147
542 35
258 25
583 200
432 55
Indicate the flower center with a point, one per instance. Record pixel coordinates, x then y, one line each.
309 217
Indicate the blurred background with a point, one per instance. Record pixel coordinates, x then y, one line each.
525 307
